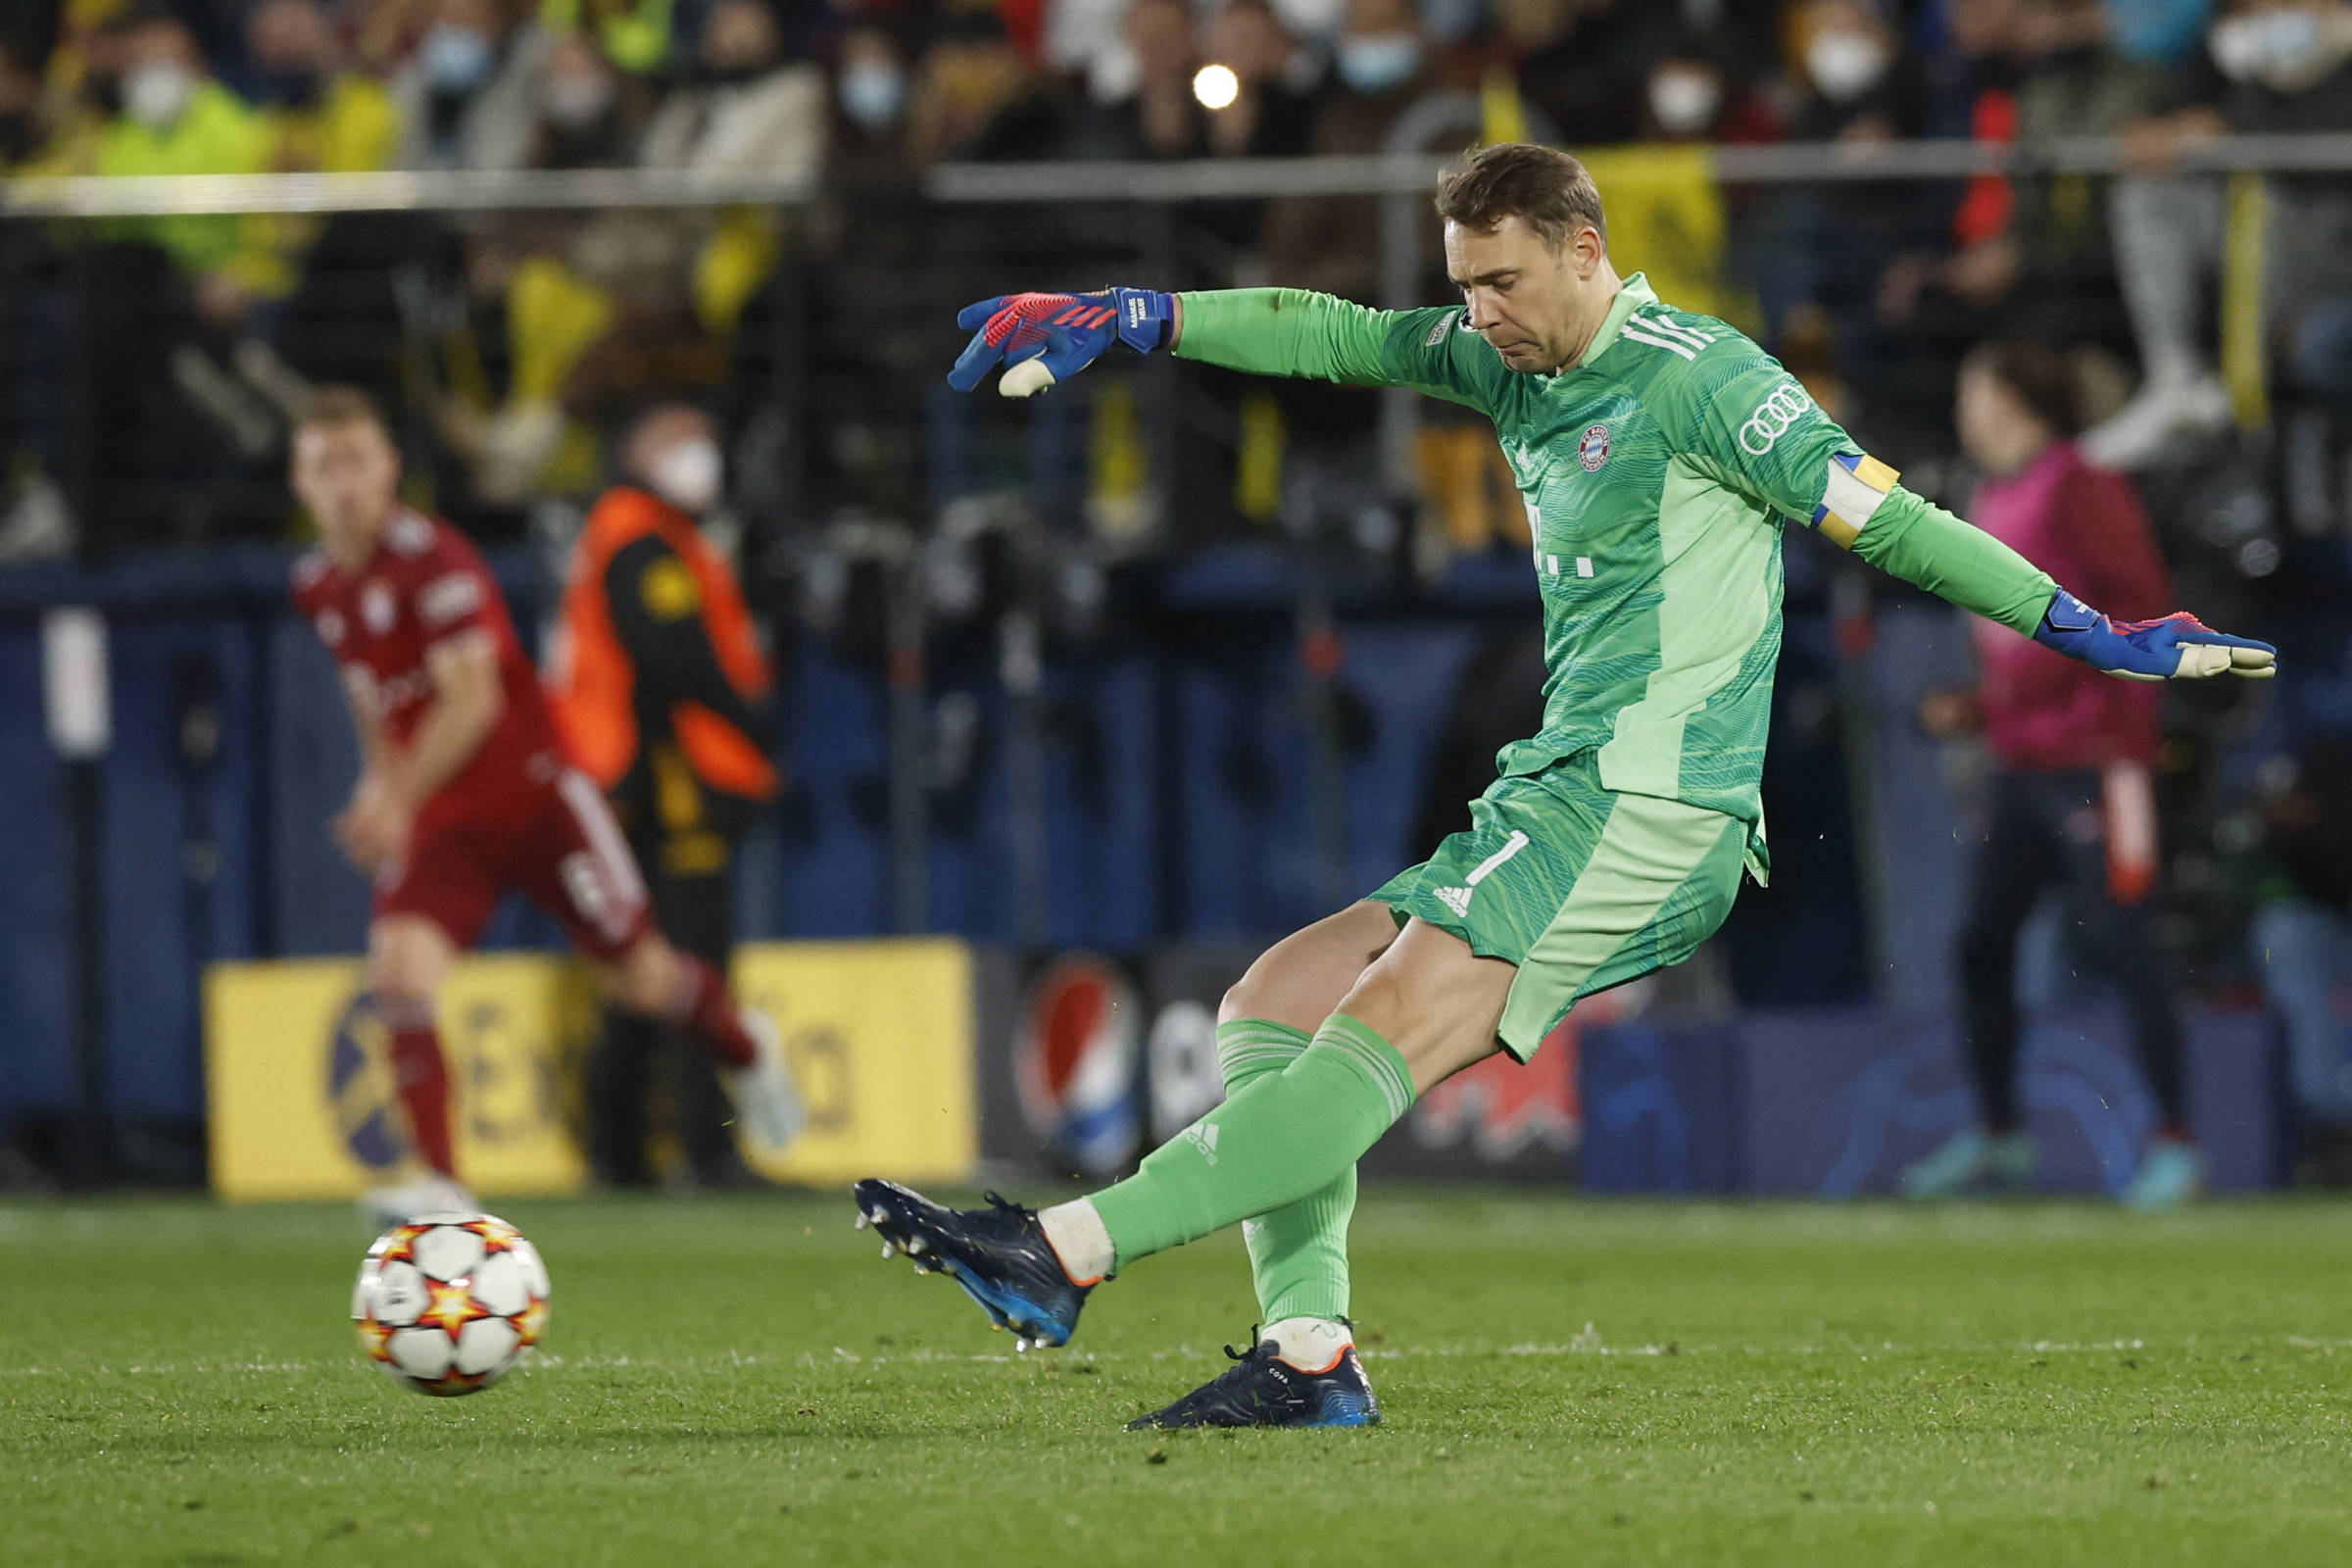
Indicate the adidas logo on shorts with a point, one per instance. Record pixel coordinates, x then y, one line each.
1455 899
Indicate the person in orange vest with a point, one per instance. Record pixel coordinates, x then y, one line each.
663 695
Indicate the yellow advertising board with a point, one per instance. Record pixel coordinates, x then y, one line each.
879 1036
299 1079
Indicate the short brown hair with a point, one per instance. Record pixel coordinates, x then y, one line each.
2040 376
342 405
1544 188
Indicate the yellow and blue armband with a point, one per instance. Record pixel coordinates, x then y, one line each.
1859 485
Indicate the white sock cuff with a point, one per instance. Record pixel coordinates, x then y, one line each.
1309 1343
1081 1241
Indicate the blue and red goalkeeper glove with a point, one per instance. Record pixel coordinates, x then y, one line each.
1062 332
2178 647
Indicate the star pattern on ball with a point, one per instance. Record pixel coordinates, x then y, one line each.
453 1307
397 1246
416 1293
497 1235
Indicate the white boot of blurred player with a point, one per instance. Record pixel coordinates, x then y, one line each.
430 1194
765 1097
2171 408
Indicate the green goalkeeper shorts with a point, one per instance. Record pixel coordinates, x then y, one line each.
1582 887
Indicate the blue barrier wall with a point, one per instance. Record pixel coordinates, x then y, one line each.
36 999
1833 1102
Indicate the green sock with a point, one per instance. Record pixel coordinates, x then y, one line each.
1286 1135
1297 1252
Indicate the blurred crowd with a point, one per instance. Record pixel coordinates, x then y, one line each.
502 336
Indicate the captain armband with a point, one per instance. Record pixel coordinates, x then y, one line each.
1858 486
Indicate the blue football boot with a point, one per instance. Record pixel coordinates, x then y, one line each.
1262 1390
999 1254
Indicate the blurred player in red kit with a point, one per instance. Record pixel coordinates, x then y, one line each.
465 793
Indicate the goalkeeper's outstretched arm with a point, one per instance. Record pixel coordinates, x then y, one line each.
1910 538
1044 339
1743 419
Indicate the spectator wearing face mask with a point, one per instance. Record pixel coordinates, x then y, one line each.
1693 91
1585 65
2273 66
469 93
177 120
161 299
1666 209
1816 254
1380 70
886 280
1859 81
663 695
870 88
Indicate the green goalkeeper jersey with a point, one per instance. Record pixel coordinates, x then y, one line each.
1657 472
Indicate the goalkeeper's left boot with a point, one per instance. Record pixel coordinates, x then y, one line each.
999 1254
1318 1384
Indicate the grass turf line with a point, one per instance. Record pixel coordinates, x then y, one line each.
744 1381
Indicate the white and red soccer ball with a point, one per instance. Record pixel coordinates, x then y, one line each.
448 1304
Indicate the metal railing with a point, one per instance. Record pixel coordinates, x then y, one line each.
1204 179
1401 179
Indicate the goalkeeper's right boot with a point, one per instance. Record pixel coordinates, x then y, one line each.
1323 1387
999 1254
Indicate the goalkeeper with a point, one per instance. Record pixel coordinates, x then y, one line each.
1660 453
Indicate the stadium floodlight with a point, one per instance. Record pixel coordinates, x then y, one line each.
1216 87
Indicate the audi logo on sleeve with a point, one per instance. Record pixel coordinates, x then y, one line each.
1774 417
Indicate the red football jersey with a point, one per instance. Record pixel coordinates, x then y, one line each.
427 583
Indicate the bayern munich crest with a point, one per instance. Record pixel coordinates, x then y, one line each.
1592 450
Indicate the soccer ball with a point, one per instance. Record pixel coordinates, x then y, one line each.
448 1304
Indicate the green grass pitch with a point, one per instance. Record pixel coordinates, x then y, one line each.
745 1382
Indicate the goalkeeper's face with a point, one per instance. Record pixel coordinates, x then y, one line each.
1538 304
